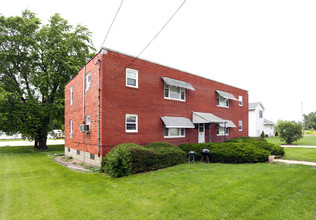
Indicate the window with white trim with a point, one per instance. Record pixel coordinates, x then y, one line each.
92 157
222 102
220 131
71 95
260 114
174 132
88 121
131 123
240 100
131 78
174 92
240 126
70 128
88 81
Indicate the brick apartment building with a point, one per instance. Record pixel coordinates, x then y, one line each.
116 98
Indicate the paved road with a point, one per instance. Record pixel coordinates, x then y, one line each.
28 143
302 146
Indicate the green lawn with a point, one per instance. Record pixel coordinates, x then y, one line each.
295 153
306 140
33 186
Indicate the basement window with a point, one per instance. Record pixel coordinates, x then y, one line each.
92 157
78 152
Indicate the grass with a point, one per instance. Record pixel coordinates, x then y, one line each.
12 140
306 140
306 154
33 186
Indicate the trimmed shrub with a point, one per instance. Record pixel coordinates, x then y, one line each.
125 159
229 152
262 134
261 143
118 162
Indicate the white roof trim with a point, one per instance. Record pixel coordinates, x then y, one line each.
178 83
177 122
202 117
226 95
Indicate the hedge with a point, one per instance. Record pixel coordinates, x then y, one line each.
229 152
259 142
134 158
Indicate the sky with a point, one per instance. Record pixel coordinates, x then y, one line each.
265 47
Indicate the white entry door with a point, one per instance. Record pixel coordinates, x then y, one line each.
201 133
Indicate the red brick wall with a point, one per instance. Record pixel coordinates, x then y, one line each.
147 101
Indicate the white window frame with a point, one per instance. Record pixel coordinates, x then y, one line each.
240 126
70 128
88 81
136 123
181 91
260 114
88 121
222 102
180 131
241 102
220 131
128 70
71 93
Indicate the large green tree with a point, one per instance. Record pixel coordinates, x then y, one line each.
36 62
310 121
289 131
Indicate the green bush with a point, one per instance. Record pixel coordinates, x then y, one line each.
261 143
263 135
228 152
118 162
125 159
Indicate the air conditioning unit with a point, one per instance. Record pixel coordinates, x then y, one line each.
84 128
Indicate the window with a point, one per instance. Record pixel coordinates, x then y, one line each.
91 156
131 123
174 132
131 78
88 121
240 125
174 92
88 81
260 114
240 101
78 152
220 131
70 128
68 149
70 95
222 102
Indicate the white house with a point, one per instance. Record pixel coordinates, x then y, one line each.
269 128
257 123
4 136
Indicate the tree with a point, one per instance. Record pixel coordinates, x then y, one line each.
36 62
289 131
310 121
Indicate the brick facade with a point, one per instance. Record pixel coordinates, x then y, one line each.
147 102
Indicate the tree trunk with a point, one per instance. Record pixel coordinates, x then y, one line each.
41 140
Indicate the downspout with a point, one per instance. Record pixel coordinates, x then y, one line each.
83 94
102 52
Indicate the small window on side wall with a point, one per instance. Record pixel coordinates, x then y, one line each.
131 78
240 101
240 126
88 81
131 123
71 95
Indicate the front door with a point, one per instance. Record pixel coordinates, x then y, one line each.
201 133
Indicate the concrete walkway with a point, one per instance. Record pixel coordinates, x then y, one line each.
302 146
29 143
295 162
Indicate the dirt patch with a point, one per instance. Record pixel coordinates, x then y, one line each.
75 164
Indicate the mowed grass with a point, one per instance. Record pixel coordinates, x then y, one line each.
295 153
33 186
306 140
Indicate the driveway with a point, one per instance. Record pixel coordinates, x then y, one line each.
29 143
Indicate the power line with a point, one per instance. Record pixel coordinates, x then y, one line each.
112 24
114 78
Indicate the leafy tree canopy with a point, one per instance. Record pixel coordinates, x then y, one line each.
36 62
310 121
289 131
